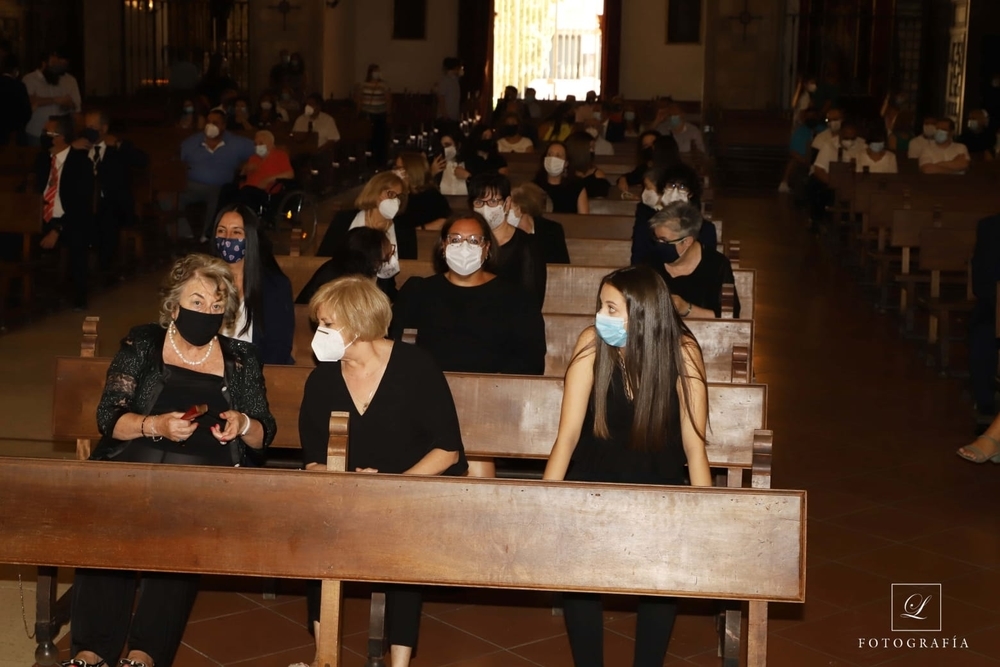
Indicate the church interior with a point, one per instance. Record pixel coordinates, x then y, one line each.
850 352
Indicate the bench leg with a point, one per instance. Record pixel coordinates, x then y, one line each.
331 620
47 621
757 634
729 639
376 631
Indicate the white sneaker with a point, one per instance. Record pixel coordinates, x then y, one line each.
784 189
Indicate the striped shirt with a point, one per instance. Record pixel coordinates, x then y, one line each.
374 97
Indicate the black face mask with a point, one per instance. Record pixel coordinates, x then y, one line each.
46 142
666 253
647 154
197 328
508 130
486 145
91 135
51 75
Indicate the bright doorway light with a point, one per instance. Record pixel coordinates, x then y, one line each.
553 46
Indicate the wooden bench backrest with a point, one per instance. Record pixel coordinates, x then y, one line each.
738 543
515 416
907 223
946 249
571 290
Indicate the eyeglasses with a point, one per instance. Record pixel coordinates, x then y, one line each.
472 239
391 194
677 186
479 203
392 252
663 241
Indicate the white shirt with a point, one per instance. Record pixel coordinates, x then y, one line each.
450 184
936 153
323 125
37 85
523 145
603 147
830 152
392 267
886 165
241 321
57 207
917 146
825 138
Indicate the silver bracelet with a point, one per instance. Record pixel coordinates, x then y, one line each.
246 429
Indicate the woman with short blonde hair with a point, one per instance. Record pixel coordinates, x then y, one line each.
393 427
177 392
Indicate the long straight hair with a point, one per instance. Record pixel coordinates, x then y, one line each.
653 359
259 259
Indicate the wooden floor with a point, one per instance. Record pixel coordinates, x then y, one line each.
859 421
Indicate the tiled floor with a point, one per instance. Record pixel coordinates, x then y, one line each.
859 421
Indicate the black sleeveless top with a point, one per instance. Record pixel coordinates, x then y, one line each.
612 460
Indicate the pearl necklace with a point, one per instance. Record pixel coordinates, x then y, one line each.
180 356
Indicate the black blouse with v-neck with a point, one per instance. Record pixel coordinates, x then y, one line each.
410 414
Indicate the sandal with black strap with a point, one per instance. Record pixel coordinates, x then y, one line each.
76 662
976 455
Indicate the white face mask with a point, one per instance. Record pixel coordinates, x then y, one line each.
847 143
811 87
592 131
597 115
376 76
650 198
554 166
212 130
450 152
261 150
388 208
929 130
493 214
671 195
328 344
309 110
513 219
388 270
403 176
266 106
834 125
463 258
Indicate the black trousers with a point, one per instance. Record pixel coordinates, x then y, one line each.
819 196
983 357
585 627
76 237
402 611
380 139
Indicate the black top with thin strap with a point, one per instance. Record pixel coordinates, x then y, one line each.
613 460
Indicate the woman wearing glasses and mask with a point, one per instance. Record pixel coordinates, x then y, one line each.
694 272
664 186
402 417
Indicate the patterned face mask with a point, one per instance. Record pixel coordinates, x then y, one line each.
231 250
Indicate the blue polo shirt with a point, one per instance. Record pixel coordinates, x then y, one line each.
802 139
216 167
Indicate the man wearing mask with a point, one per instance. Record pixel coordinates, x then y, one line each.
449 91
829 137
281 73
263 170
848 147
800 148
212 158
977 136
65 179
926 138
589 110
52 91
15 110
313 119
686 135
114 160
945 156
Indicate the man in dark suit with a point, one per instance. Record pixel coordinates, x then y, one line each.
983 346
114 161
65 177
15 107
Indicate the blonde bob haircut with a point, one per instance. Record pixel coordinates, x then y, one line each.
530 199
379 183
214 271
357 305
418 171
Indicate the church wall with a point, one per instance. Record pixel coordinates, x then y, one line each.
744 73
102 60
649 66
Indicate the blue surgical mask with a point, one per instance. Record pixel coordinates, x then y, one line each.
231 250
877 146
611 329
675 121
941 136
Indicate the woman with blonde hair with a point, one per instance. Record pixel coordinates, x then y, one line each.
384 196
426 207
527 213
146 414
393 428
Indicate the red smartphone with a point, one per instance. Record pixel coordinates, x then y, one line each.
194 412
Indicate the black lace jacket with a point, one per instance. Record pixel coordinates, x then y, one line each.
135 379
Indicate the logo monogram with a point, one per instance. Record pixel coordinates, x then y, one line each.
916 607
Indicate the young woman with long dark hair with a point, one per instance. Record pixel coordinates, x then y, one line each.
266 315
634 410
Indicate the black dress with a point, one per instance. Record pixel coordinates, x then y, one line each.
333 269
703 286
410 414
596 187
476 164
564 196
612 460
423 207
491 328
406 237
521 261
552 239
